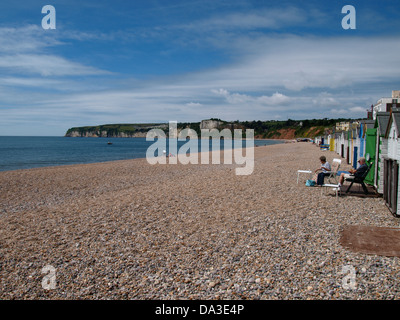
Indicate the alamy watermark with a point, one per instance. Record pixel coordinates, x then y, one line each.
348 21
49 20
49 280
349 279
189 153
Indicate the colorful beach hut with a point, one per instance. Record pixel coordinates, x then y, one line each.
332 142
361 139
349 155
364 126
355 145
370 153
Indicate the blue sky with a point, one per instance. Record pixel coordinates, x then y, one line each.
156 61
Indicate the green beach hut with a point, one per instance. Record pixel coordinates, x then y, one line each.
370 154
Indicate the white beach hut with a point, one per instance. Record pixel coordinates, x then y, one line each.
346 148
343 144
391 164
381 124
338 142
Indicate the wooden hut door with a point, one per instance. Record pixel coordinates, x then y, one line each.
394 186
355 158
391 179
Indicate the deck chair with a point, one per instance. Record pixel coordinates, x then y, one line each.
332 178
359 180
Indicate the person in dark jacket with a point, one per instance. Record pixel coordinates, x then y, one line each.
353 173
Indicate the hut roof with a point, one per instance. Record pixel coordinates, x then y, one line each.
382 121
395 120
364 126
369 124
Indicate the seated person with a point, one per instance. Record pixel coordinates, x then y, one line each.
325 171
354 173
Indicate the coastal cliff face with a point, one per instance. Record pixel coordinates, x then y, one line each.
104 134
114 130
271 129
210 124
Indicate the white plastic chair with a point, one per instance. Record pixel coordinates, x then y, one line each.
334 170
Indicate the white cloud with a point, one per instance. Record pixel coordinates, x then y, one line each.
45 65
30 38
350 112
237 98
193 104
30 82
268 18
325 100
272 78
358 110
22 51
276 99
297 63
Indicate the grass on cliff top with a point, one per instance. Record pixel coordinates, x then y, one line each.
124 127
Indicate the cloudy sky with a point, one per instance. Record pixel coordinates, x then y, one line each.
154 61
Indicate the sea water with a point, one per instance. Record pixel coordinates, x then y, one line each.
33 152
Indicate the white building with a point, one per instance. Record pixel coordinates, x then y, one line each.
386 104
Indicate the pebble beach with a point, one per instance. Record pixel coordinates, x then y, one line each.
131 230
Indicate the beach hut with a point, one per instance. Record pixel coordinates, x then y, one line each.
355 145
365 125
346 136
391 164
318 140
323 142
342 148
344 144
361 140
381 123
331 142
370 153
327 139
337 142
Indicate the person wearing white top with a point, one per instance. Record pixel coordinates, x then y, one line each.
322 171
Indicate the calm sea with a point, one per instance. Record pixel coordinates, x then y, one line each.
32 152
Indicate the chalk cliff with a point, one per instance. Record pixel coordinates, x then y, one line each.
114 130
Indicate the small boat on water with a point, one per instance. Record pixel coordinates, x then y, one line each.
109 142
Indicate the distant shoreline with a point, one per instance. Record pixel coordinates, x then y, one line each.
25 153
